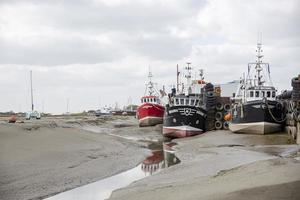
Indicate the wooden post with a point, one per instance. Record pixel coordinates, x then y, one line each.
298 133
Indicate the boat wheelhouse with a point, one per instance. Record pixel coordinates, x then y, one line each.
150 99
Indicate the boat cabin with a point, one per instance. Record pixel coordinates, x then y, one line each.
186 101
150 99
258 93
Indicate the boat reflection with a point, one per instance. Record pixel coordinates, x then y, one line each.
162 156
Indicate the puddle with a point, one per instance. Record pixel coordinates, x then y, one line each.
102 189
162 156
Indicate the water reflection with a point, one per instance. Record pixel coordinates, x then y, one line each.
163 155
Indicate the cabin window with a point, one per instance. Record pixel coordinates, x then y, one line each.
192 102
196 102
251 94
187 101
263 93
154 100
256 93
268 94
176 101
273 94
181 101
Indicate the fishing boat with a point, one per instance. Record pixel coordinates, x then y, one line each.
256 109
151 111
185 114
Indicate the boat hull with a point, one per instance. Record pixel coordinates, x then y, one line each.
181 131
150 114
150 121
183 121
257 118
255 127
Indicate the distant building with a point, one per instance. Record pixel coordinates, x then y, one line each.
229 89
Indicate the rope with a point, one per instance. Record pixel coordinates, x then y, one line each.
274 118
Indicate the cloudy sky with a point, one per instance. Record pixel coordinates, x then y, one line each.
98 51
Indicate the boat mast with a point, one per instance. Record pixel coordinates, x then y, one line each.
258 67
68 102
177 80
31 90
150 84
188 77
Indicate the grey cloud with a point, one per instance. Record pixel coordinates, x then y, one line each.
121 24
56 51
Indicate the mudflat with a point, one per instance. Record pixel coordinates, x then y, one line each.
41 158
223 165
44 157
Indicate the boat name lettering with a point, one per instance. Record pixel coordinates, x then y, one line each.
173 111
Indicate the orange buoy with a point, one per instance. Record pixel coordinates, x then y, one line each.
227 117
12 119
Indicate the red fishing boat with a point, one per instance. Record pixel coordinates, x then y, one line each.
150 112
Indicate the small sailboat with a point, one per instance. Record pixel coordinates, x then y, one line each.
33 114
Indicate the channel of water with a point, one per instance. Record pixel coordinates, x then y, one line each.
162 156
